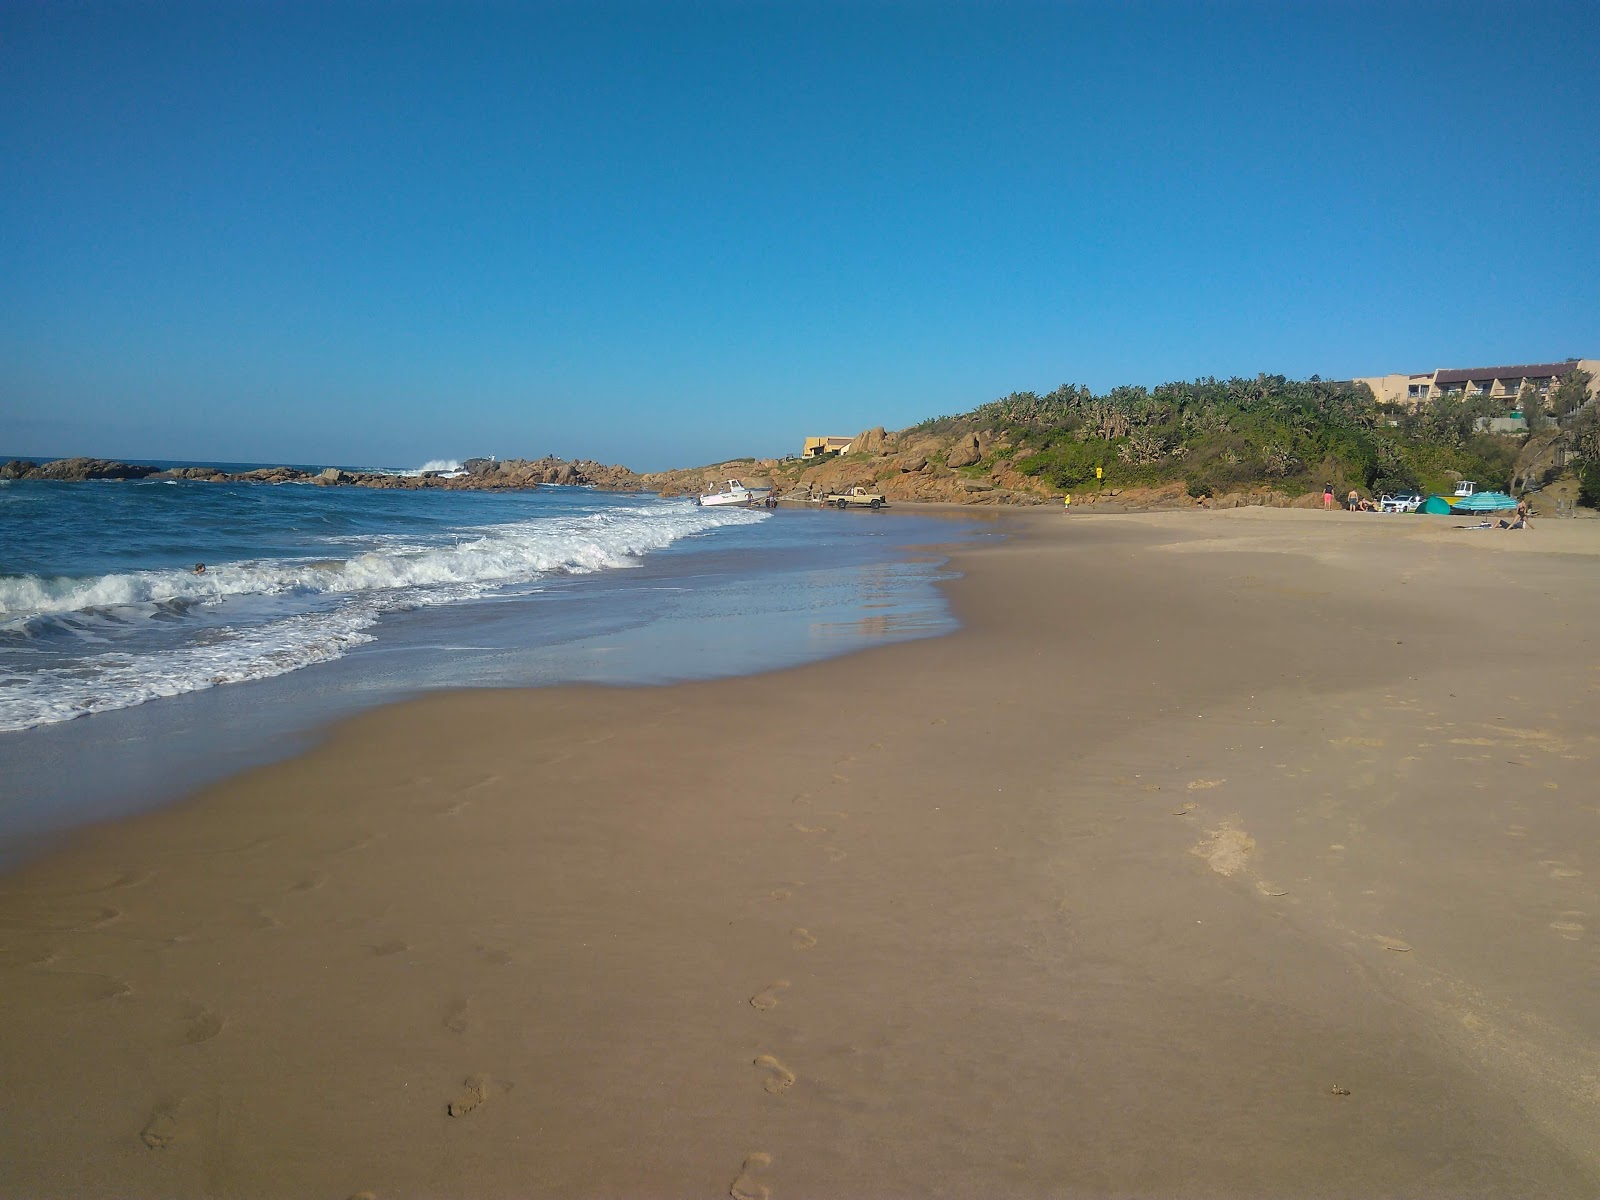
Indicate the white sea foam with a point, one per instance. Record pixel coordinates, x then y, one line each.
330 605
449 468
485 557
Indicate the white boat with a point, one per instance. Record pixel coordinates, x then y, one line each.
734 492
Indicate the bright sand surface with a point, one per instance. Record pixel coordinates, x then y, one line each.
1246 853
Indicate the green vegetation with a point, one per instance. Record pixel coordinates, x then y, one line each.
1219 436
1582 427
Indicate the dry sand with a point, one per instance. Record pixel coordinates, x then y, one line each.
1219 854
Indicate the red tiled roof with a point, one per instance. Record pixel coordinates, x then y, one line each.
1527 371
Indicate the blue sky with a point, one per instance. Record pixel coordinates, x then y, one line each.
664 234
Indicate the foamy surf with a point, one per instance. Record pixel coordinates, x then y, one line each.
70 646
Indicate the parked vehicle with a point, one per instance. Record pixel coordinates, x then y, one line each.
1405 502
856 497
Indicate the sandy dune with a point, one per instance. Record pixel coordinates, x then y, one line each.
1219 854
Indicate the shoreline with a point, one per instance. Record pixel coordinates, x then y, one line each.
1186 866
110 764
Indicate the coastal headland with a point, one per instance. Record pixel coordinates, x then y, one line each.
477 474
1218 854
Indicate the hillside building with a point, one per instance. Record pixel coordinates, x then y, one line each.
817 446
1412 390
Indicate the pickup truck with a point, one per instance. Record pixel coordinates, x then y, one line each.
856 497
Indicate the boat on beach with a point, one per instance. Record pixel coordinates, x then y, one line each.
1467 500
733 492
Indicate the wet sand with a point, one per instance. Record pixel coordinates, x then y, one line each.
1219 854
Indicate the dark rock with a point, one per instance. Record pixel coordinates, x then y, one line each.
79 469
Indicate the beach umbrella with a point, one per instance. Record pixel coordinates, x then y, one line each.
1436 505
1485 502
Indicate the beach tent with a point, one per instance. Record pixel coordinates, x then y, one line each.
1485 502
1436 505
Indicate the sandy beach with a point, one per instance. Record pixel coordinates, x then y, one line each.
1242 853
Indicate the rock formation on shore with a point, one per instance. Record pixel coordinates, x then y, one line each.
477 474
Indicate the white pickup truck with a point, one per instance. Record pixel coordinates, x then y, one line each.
856 497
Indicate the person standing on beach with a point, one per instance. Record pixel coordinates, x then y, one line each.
1327 496
1353 500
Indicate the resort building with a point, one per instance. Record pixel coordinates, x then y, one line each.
817 446
1412 390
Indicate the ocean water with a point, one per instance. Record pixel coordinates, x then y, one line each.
125 677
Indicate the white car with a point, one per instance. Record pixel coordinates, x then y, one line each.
1404 503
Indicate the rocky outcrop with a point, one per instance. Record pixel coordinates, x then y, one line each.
77 470
872 441
480 474
963 452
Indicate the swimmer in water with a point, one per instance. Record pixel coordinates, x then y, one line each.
199 568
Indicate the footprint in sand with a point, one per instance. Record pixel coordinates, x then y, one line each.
471 1095
455 1017
384 949
126 879
62 920
799 828
67 989
1226 850
1516 831
1560 870
803 940
257 917
747 1187
1395 944
160 1130
201 1025
1200 785
1569 926
781 1079
767 997
494 957
835 854
310 882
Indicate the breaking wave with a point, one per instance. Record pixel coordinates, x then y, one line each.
77 646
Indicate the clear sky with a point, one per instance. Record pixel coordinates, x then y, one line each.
664 234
